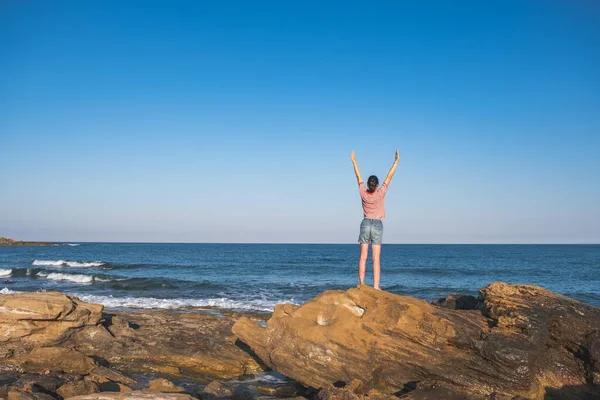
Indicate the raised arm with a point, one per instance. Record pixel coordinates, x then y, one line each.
390 174
356 170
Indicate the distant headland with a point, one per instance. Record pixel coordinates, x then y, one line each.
11 242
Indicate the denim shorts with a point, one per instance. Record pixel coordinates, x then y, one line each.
371 231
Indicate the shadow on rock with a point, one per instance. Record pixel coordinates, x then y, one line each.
581 392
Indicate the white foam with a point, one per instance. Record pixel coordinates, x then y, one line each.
72 244
55 276
84 264
62 263
7 291
154 303
98 279
49 263
5 272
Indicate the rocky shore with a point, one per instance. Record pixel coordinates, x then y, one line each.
512 342
54 346
11 242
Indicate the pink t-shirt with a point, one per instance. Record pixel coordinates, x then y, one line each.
372 203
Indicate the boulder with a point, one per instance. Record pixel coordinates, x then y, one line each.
78 388
164 385
57 358
43 319
523 341
216 389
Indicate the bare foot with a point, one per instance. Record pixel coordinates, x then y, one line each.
376 288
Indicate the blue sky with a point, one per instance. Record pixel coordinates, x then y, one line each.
193 121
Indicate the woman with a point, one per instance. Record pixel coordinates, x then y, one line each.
371 228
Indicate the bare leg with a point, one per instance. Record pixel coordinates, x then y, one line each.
362 262
376 248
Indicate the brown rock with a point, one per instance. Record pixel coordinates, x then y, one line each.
43 319
11 242
104 374
38 383
334 393
22 394
31 324
168 342
120 327
60 358
19 394
216 389
78 388
135 395
525 341
124 388
164 385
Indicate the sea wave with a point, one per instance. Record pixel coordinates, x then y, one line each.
77 278
5 272
8 291
72 244
156 303
63 263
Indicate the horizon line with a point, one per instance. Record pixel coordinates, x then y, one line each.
316 243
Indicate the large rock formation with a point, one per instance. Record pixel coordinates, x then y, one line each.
520 341
54 332
43 318
11 242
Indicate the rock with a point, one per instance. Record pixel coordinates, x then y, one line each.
79 388
51 331
124 388
168 342
243 393
524 341
120 327
38 383
11 242
457 302
22 394
103 374
279 391
352 391
114 387
135 395
43 319
60 358
19 394
334 393
164 385
216 389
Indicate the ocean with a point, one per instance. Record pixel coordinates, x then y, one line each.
255 277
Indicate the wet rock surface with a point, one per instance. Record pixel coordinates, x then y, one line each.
522 341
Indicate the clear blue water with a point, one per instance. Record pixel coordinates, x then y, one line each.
258 276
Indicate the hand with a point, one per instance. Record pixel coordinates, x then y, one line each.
353 156
397 156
